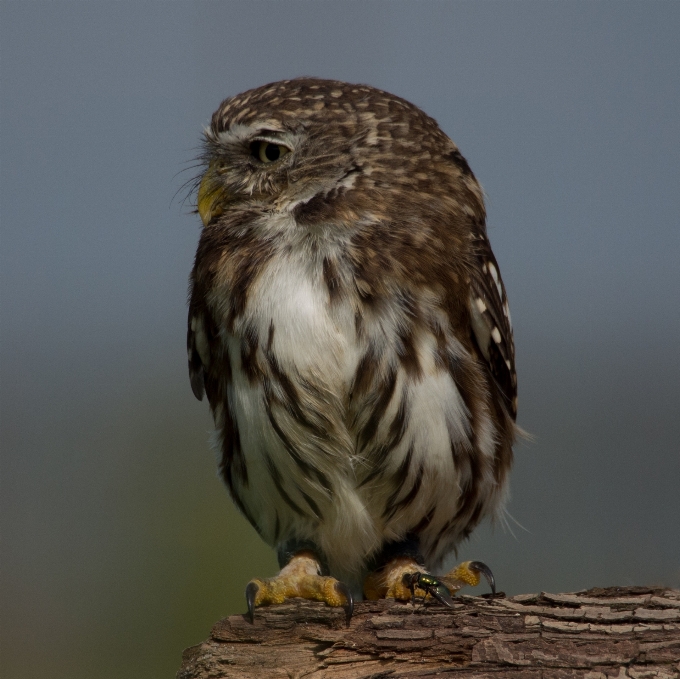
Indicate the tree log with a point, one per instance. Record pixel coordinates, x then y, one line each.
613 632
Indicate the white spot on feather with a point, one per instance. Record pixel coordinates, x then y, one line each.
480 327
496 279
506 311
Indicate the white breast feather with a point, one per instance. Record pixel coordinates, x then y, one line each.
318 342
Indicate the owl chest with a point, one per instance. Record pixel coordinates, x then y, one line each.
293 357
289 324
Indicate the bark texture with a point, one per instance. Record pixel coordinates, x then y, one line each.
615 632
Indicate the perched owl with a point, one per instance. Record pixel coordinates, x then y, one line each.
350 328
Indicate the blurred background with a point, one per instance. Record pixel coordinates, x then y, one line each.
120 546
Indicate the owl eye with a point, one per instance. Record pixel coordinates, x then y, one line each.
267 152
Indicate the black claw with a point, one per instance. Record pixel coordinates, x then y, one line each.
343 589
251 592
486 572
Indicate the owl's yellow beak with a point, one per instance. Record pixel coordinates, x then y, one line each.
212 196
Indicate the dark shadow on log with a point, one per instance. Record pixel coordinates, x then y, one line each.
614 632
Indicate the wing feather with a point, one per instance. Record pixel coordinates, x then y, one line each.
491 323
195 337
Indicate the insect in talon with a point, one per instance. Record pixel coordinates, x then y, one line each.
430 584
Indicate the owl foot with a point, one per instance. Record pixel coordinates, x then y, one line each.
393 580
403 578
466 573
299 578
469 573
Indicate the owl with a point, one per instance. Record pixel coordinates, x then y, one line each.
350 329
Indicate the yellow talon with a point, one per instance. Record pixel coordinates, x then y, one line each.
388 582
465 574
469 573
299 578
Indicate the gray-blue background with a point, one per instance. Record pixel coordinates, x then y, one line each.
119 545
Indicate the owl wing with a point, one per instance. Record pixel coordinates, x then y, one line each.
491 324
202 339
196 372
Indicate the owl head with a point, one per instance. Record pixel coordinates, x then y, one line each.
329 150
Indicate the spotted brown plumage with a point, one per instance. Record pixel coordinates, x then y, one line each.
349 325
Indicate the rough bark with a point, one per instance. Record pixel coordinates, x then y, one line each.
614 632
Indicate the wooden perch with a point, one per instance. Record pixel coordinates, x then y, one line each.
615 632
